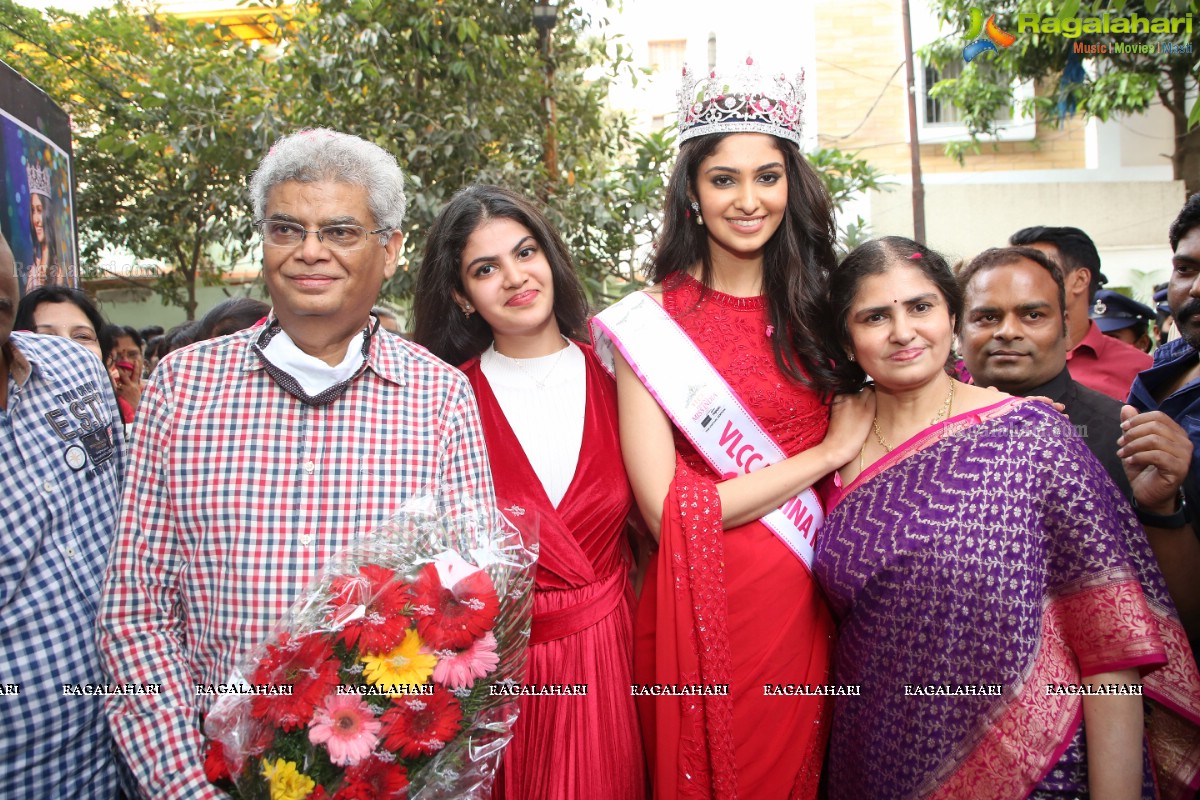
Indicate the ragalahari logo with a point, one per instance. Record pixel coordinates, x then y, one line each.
992 36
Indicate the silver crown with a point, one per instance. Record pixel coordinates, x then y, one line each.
745 101
39 179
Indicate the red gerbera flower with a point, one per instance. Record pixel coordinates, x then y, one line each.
369 607
215 767
421 724
374 779
308 666
454 618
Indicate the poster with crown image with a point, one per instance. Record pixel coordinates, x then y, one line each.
37 217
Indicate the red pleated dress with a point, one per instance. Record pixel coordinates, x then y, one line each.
573 747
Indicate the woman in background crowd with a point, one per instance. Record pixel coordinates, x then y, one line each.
63 311
230 316
125 365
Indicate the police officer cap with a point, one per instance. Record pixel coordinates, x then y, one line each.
1114 311
1160 301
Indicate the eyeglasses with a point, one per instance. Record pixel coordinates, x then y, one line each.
280 233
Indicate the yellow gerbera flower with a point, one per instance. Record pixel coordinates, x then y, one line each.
404 665
287 782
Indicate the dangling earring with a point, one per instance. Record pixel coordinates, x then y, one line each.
467 309
696 211
851 357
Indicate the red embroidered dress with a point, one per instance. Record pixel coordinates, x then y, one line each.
571 747
732 607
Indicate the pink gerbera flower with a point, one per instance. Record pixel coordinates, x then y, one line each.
347 727
459 670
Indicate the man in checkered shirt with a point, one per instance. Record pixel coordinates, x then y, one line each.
257 456
62 456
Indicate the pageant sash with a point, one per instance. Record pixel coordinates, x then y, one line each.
703 406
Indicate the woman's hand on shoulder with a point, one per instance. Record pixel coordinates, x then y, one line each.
849 424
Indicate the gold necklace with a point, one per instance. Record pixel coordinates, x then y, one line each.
943 413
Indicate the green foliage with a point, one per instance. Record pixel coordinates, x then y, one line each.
169 118
457 88
1116 83
846 175
854 234
623 215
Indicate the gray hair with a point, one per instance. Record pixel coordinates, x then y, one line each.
319 154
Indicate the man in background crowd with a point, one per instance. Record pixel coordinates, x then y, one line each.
1172 386
1097 361
62 454
1123 318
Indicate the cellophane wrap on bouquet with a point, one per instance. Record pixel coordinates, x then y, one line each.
377 683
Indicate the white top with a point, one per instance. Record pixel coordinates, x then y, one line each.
543 400
313 374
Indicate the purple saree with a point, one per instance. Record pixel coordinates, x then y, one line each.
992 550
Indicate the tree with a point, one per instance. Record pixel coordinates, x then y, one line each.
457 91
1112 83
169 118
455 88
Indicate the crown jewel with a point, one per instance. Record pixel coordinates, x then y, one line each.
39 179
743 101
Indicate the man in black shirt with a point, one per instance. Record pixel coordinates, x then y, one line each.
1014 339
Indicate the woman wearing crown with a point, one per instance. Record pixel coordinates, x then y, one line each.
725 427
497 294
45 267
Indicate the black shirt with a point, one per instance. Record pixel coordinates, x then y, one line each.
1096 417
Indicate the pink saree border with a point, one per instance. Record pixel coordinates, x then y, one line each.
1034 728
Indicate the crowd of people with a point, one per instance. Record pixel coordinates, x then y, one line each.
868 528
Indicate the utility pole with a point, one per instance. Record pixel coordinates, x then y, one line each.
545 16
914 146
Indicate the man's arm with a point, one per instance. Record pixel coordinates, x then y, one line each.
1157 454
466 479
140 634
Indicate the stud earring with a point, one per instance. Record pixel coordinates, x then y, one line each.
850 356
696 211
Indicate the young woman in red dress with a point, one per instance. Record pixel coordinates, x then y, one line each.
497 293
741 267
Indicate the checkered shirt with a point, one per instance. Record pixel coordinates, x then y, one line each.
63 454
237 494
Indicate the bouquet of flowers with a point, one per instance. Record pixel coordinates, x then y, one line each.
376 684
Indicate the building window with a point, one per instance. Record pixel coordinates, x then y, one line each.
943 112
666 57
941 120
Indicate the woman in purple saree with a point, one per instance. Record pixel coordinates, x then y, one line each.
998 604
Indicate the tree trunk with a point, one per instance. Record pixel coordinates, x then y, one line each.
1185 161
192 270
189 305
1187 158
